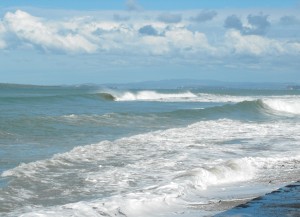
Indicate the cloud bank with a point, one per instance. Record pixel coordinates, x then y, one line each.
204 16
256 25
32 30
162 34
170 18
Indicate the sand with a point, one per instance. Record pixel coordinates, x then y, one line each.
280 203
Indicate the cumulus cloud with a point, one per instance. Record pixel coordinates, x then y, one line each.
253 44
170 18
2 33
37 32
132 5
118 17
156 45
289 20
204 16
233 22
185 40
257 24
142 36
178 41
148 30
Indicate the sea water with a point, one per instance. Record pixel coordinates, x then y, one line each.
93 151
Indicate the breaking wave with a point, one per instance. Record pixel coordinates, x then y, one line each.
291 106
156 170
153 96
187 96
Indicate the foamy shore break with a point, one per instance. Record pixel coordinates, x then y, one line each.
282 202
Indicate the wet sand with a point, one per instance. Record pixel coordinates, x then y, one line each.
280 203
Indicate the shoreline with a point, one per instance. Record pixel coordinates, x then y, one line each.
284 201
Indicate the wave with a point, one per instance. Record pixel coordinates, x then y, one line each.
287 103
163 198
153 96
186 96
262 109
107 96
291 106
170 198
54 94
243 110
246 109
166 166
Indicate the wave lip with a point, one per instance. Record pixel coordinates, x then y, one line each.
153 96
107 96
290 106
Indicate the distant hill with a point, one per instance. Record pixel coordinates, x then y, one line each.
198 84
171 84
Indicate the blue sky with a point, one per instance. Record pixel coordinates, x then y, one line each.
150 4
100 41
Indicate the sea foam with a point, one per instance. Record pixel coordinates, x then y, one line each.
163 170
291 106
153 96
169 199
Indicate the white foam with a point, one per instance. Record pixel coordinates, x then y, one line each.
155 200
178 97
206 97
205 134
168 199
163 170
287 103
153 96
291 106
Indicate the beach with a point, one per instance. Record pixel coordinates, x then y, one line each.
284 201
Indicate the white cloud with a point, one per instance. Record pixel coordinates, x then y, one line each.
144 35
204 16
289 20
170 18
39 33
2 33
253 44
188 41
257 24
293 47
156 45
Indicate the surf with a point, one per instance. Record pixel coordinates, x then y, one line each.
288 106
153 96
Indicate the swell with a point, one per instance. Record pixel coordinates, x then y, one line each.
30 93
242 110
246 110
56 97
261 108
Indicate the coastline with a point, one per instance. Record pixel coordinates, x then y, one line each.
284 201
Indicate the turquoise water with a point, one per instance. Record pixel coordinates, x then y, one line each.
87 150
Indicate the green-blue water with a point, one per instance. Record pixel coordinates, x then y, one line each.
69 150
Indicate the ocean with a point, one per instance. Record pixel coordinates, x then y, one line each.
93 151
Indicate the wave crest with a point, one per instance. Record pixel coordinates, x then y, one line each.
153 96
291 106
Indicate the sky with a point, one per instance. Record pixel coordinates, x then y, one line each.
98 41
